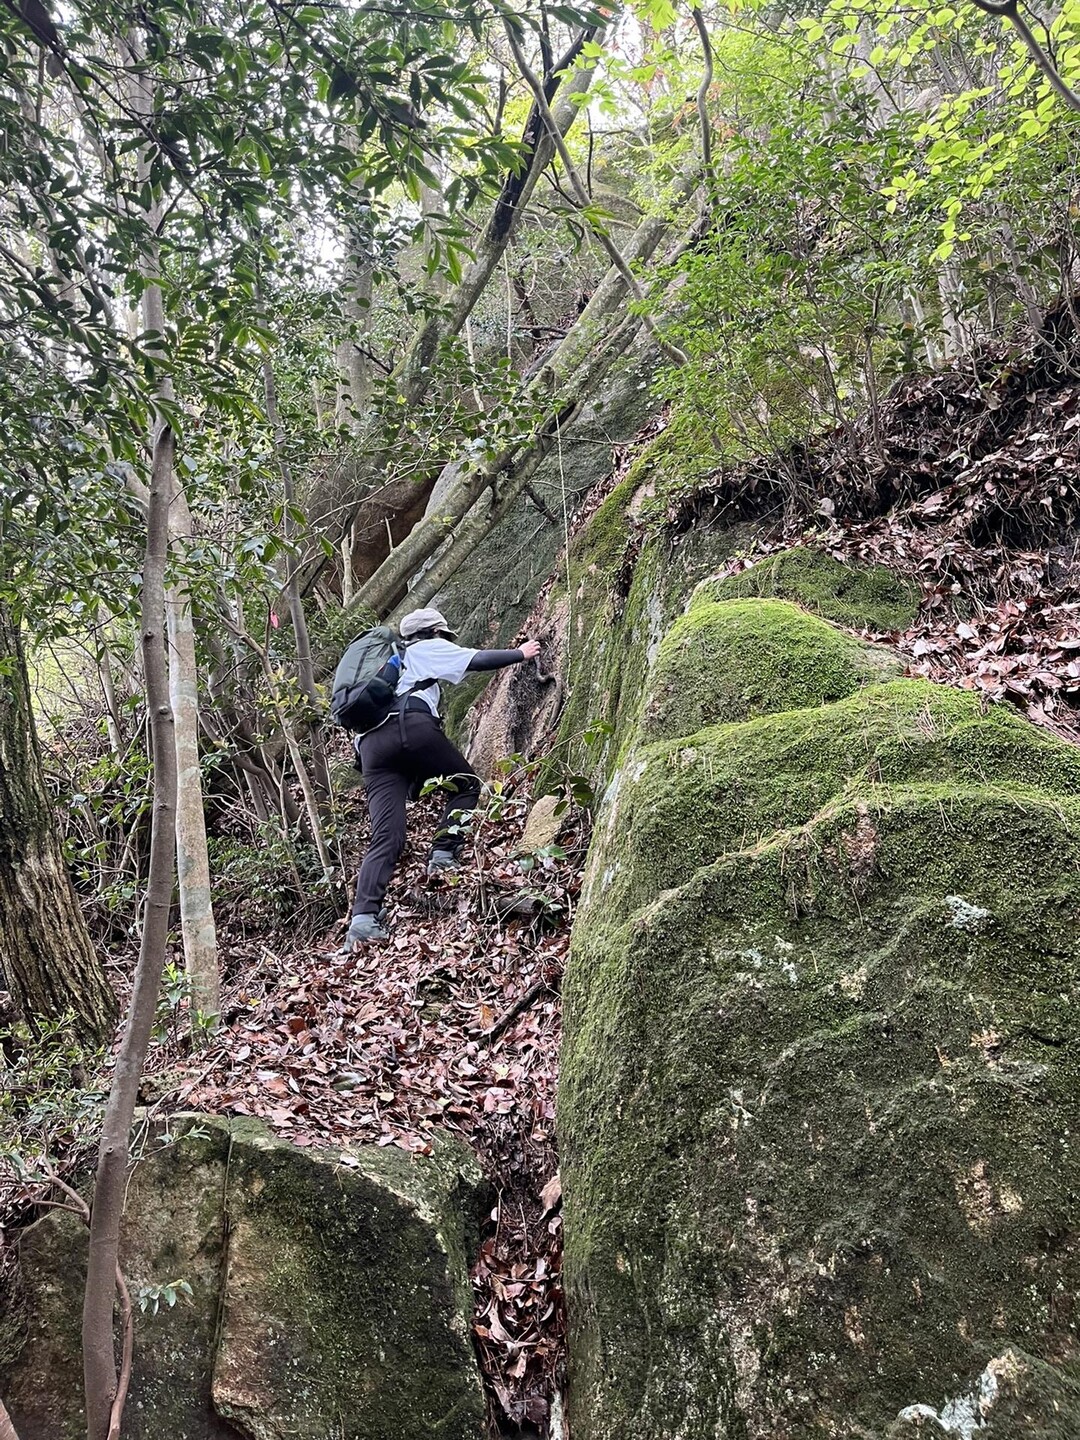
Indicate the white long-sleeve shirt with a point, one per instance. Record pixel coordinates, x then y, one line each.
433 660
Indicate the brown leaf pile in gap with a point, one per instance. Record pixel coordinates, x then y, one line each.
451 1023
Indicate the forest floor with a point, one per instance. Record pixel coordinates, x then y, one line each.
451 1023
966 482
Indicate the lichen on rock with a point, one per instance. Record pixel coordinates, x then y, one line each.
346 1297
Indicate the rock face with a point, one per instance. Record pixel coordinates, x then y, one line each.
542 826
821 1028
493 593
330 1295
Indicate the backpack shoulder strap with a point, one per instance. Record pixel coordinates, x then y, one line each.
417 684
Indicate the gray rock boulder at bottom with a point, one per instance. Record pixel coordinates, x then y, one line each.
330 1294
1016 1396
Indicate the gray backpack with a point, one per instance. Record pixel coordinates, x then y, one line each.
366 679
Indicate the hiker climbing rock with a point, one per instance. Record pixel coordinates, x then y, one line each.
400 744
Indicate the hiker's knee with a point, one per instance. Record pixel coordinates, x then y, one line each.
468 787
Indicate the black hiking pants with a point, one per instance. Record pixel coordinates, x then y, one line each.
396 760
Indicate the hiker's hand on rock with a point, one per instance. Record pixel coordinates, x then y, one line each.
531 649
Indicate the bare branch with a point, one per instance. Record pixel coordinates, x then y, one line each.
127 1351
78 1204
614 254
1010 10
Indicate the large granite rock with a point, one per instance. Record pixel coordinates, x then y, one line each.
330 1295
493 594
821 1040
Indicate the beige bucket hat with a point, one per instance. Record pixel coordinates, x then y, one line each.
417 620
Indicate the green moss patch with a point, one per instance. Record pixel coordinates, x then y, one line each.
869 598
607 643
679 805
732 660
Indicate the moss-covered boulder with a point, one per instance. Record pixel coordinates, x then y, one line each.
347 1305
678 805
736 659
330 1295
864 598
174 1229
819 1070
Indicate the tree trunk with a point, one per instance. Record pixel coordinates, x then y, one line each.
354 368
99 1357
47 958
536 152
192 862
103 658
346 568
305 669
104 1398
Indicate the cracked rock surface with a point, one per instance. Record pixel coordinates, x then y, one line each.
330 1294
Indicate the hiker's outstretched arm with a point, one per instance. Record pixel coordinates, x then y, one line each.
495 659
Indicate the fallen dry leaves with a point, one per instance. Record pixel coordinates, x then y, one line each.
967 482
386 1045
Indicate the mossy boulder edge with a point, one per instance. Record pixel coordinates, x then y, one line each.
867 597
736 659
821 1042
330 1294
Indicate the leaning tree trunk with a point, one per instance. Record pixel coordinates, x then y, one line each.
564 89
46 956
414 373
594 340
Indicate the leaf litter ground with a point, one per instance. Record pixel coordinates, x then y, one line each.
968 483
452 1023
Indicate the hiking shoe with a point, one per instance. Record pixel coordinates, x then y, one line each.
441 862
364 927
